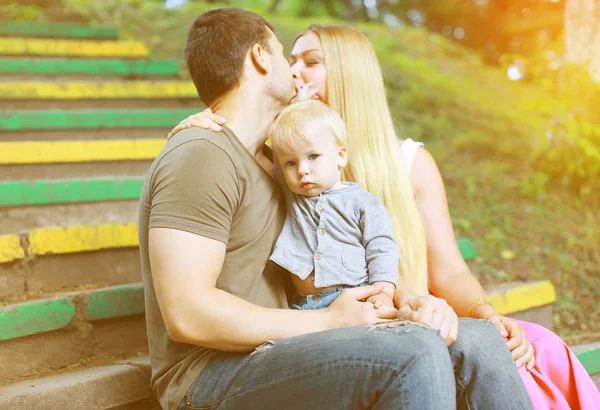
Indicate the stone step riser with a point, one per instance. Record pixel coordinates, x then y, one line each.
20 218
47 352
73 170
123 386
87 135
23 279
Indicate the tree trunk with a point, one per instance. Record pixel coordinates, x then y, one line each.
582 34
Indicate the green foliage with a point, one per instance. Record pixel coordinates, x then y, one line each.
21 13
569 143
571 150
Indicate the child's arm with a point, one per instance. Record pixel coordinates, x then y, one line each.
378 240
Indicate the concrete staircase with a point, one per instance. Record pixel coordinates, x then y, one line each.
83 115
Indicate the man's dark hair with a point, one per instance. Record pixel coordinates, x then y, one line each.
216 46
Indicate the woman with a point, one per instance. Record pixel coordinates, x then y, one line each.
337 64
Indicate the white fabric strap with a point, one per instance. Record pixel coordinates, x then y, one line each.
408 150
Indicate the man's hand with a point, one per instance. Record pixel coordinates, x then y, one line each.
349 309
434 312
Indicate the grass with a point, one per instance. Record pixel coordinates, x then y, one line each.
483 131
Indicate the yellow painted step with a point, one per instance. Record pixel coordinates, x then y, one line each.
519 298
79 90
45 152
58 240
71 48
10 248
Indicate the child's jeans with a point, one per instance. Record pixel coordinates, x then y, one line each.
318 301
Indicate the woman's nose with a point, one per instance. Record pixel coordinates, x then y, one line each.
296 73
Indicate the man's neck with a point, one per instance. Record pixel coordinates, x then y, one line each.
249 115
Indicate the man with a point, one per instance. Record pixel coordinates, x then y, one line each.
219 330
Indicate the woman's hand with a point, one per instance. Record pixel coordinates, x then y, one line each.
522 351
205 119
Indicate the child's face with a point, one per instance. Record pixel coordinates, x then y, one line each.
314 167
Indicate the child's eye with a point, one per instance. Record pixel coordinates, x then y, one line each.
290 164
313 156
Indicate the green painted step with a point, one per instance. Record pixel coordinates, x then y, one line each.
77 66
114 302
58 30
38 316
63 120
18 193
467 248
35 317
590 360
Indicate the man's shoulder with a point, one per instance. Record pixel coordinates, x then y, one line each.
203 148
198 139
192 153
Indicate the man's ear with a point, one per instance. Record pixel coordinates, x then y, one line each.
260 59
342 157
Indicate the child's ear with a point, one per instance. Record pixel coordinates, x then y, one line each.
342 157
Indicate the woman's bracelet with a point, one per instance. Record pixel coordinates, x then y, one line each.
476 303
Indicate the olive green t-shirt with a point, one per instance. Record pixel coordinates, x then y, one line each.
209 184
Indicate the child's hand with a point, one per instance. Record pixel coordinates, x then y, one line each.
380 300
306 92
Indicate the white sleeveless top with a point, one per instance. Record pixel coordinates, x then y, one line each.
408 150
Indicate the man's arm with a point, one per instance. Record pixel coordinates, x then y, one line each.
185 268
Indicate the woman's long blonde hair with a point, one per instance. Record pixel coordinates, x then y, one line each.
355 89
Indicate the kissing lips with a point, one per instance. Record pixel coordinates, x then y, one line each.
307 185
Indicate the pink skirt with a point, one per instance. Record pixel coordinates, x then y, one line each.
558 381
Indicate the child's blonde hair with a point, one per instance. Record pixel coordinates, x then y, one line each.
306 120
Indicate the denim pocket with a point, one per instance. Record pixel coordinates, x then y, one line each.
354 258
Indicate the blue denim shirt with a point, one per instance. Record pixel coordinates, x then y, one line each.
344 235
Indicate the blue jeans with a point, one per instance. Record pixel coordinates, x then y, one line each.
318 301
366 367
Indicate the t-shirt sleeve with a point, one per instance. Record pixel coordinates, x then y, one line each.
195 188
